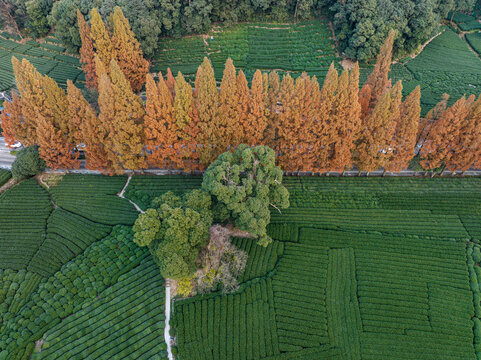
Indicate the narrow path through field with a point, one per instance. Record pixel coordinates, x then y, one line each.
121 195
167 283
167 319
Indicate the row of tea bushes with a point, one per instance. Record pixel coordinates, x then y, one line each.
73 287
24 210
127 322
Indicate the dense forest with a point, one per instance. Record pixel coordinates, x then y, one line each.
361 25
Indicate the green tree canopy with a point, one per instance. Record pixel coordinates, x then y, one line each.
175 230
27 163
244 184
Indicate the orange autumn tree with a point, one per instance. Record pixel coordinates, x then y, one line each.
440 144
91 133
29 84
127 51
468 144
307 98
207 107
160 127
373 149
256 124
56 142
323 136
273 90
243 106
87 54
296 115
378 81
122 112
404 140
170 81
101 39
13 125
227 119
346 119
186 122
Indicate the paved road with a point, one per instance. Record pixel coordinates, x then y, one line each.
6 159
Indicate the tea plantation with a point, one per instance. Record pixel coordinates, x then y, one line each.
294 48
359 268
73 285
48 57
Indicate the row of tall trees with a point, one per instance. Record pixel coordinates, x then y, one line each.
311 128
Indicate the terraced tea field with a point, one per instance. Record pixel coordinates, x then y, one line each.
73 284
446 65
359 268
48 57
293 48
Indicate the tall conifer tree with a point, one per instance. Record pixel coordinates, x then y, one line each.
404 140
13 125
55 140
127 51
441 143
163 146
29 84
378 81
207 105
122 110
91 132
87 55
227 117
257 119
101 39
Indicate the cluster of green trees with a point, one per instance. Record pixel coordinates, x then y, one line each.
362 25
149 19
237 191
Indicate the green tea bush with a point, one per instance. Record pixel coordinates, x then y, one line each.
27 163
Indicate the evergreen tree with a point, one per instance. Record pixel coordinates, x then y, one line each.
127 51
87 55
163 147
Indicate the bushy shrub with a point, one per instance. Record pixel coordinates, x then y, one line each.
27 163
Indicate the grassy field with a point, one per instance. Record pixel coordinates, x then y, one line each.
359 268
71 276
293 48
48 57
